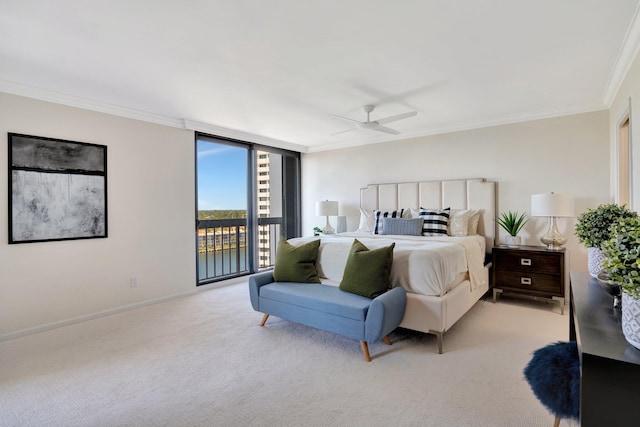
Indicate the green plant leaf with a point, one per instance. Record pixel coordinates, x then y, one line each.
621 254
593 226
512 222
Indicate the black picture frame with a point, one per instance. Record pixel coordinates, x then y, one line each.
57 189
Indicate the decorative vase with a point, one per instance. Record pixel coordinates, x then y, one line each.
512 241
594 261
612 288
631 319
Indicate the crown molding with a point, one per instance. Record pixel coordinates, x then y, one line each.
242 136
528 117
86 104
130 113
116 110
626 55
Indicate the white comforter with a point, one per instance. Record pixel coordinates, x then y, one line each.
424 265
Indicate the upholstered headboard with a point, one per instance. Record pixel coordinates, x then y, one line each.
476 193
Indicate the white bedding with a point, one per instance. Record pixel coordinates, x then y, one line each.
423 265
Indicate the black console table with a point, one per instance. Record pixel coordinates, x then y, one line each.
610 366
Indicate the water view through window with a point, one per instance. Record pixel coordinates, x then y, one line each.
222 196
225 242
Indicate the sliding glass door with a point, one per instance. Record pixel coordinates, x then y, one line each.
248 196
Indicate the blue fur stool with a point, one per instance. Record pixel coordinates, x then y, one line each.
554 376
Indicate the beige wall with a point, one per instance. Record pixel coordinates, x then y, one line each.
627 102
151 217
565 155
151 200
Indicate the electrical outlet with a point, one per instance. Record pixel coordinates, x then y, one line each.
134 281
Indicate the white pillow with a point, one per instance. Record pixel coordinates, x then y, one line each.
474 221
367 221
464 222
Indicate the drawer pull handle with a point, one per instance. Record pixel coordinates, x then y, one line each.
525 261
525 280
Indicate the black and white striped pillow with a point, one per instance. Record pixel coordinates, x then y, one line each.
435 221
379 215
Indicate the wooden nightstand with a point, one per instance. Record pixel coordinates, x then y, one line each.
533 271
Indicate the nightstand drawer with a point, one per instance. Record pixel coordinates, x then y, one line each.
532 271
547 283
528 261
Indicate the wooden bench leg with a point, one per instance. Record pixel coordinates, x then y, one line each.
386 339
556 423
264 319
365 351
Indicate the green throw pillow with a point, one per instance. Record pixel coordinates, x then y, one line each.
367 272
296 263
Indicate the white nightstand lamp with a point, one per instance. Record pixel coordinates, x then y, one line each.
327 208
553 205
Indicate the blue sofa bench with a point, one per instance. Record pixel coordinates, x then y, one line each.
329 308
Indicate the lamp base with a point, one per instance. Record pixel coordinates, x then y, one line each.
552 238
328 229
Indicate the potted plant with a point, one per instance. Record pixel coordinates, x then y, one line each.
512 223
317 231
593 229
622 262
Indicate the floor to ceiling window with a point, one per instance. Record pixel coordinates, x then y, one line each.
248 196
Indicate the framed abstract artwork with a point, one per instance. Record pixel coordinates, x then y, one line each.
57 189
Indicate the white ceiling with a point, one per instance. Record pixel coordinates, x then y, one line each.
274 70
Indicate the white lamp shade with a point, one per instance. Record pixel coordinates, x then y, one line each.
552 204
327 208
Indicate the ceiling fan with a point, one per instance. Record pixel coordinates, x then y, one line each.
375 124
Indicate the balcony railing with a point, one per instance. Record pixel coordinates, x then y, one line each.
224 250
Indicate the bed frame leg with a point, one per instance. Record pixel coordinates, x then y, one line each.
365 351
386 339
264 319
439 337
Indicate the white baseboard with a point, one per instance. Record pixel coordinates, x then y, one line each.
53 325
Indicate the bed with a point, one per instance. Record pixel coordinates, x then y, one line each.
444 275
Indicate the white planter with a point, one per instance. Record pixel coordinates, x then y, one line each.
631 320
594 261
512 241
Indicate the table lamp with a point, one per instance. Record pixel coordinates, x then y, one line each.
552 205
327 208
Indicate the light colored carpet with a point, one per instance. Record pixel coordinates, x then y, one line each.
203 360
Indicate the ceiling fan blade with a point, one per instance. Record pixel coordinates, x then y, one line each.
386 130
344 118
396 117
343 131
